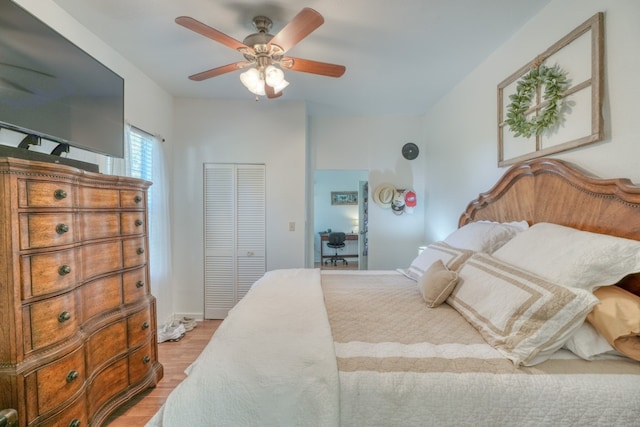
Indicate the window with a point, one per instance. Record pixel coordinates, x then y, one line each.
144 159
140 163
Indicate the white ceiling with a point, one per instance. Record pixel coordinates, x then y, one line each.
401 56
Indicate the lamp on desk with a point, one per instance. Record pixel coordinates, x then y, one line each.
354 224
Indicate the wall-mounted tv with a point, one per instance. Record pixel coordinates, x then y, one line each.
52 89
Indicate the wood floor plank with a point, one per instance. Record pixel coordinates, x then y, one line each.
175 357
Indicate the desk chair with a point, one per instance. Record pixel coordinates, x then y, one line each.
336 241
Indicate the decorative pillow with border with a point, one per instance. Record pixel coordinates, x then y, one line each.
451 257
437 283
522 315
570 257
485 236
617 319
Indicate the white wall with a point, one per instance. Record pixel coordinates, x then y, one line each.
146 106
374 144
461 150
224 131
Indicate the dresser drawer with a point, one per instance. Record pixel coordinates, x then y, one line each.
99 352
140 363
99 225
101 258
46 230
100 296
139 328
132 223
134 284
109 382
134 252
45 194
74 415
51 320
92 197
48 272
133 199
58 381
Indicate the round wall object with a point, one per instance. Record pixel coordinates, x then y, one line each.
410 151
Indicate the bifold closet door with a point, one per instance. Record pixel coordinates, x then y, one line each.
234 234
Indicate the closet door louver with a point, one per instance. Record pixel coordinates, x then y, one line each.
234 233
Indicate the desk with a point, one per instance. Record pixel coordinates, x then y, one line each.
350 237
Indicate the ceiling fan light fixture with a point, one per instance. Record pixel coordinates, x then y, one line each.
274 77
280 86
262 50
251 80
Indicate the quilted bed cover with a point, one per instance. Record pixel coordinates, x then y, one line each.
373 354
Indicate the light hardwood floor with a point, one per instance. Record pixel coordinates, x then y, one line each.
175 357
353 265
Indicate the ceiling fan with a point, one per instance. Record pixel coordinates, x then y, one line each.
264 52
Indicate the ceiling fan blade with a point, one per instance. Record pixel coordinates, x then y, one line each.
212 33
219 70
303 24
313 67
270 92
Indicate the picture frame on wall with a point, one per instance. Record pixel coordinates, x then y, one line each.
344 197
580 55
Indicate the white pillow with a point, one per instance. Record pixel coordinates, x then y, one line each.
570 257
484 236
587 343
451 257
523 316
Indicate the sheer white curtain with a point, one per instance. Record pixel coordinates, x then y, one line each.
144 158
159 219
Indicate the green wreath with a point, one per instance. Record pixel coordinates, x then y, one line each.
555 83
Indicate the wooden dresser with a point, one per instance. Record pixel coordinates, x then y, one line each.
77 320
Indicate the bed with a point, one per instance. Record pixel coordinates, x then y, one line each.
506 322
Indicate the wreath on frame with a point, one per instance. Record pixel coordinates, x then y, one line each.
555 83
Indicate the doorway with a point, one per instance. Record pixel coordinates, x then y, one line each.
341 204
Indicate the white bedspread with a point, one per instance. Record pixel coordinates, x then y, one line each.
270 363
403 364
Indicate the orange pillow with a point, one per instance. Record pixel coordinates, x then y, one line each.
617 318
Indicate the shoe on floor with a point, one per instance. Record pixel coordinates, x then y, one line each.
189 323
173 331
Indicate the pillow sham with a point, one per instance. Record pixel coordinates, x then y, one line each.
525 317
451 257
570 257
484 236
437 283
587 343
617 318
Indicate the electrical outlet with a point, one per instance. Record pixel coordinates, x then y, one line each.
292 226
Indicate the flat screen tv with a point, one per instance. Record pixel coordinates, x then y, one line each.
52 89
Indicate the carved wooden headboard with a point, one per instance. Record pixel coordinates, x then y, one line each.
550 190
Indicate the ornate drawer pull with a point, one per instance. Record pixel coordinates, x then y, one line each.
72 375
139 284
138 222
145 325
75 423
146 360
64 270
60 194
140 251
137 199
64 316
62 228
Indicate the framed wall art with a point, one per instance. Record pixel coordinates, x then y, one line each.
554 102
344 197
